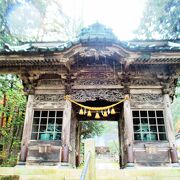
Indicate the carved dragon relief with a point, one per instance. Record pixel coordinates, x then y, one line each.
112 95
146 99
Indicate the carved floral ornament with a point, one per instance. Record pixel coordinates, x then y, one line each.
146 98
112 95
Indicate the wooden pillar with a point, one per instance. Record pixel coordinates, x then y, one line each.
78 143
66 130
73 137
170 128
128 132
27 128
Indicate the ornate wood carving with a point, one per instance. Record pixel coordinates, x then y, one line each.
29 82
48 101
146 99
48 97
96 75
97 52
111 95
169 84
144 82
97 82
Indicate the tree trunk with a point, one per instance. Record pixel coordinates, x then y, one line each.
3 114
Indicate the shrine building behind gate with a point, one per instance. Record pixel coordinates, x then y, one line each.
96 70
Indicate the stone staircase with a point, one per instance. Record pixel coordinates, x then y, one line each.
102 169
57 173
40 172
140 174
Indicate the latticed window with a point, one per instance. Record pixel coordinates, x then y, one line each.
149 125
47 125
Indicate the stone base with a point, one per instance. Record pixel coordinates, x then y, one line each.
21 163
129 165
175 165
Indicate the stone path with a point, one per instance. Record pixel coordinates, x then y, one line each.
106 162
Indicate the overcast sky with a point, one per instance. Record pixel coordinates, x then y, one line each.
123 16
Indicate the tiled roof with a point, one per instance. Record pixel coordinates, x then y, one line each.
95 34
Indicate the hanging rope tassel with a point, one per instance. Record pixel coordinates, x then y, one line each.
113 111
105 114
89 114
81 112
105 111
97 116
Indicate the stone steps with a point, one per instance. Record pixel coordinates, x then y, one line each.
140 174
51 173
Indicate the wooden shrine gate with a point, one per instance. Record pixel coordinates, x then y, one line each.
97 66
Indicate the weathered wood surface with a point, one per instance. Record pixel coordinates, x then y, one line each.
169 121
27 128
73 140
150 159
66 123
128 132
170 129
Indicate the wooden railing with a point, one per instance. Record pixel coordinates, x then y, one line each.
88 172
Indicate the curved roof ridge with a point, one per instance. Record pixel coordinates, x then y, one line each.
95 34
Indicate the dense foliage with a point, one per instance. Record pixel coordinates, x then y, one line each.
12 113
161 20
5 35
90 129
38 20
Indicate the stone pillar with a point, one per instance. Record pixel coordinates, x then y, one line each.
66 131
27 128
128 125
170 128
89 147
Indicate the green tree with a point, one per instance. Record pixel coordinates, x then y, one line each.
38 20
5 34
89 129
12 113
161 20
